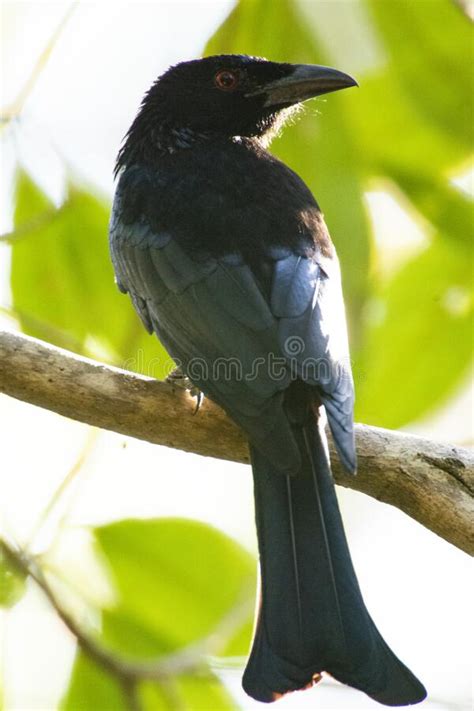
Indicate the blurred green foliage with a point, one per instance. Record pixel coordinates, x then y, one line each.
408 129
207 574
92 690
63 283
12 580
173 582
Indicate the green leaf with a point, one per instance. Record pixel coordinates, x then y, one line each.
188 693
239 644
63 283
156 697
174 581
12 580
91 688
53 266
203 694
433 62
387 125
419 344
390 134
447 208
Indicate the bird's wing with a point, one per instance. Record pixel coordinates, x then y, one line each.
241 346
307 300
214 321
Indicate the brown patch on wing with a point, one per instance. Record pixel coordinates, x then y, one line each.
313 224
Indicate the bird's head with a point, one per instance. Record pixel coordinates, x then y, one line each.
230 95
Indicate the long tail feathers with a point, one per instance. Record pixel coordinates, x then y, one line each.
312 617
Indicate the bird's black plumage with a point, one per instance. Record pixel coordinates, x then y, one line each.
226 257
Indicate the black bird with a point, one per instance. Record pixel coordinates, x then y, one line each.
226 257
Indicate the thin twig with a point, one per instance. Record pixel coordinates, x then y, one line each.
131 696
14 110
23 230
126 670
62 488
170 691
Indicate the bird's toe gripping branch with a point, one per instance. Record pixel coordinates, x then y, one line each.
178 379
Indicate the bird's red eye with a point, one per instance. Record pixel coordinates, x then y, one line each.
226 80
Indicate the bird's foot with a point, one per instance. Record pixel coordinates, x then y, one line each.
178 379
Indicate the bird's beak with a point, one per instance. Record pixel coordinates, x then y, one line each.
304 82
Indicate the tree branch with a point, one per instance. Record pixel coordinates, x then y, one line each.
430 481
127 670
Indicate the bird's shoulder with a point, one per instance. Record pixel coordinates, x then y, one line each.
224 197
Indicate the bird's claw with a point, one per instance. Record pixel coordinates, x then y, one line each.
180 380
199 395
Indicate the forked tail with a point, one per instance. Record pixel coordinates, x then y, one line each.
312 617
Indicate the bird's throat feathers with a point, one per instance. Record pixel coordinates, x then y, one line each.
155 133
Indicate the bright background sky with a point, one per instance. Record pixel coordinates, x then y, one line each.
417 587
